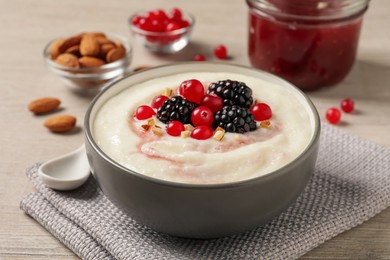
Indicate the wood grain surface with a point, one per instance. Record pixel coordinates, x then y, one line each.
27 26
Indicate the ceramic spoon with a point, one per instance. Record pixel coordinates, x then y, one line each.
66 172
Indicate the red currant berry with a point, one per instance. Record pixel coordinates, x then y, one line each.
192 90
144 112
160 15
333 115
220 52
184 24
157 25
176 14
144 24
174 128
202 116
202 132
199 57
261 111
172 26
213 102
347 105
135 20
158 101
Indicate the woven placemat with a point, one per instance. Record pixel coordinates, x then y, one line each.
351 184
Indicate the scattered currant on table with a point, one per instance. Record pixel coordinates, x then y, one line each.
333 115
199 57
347 105
220 52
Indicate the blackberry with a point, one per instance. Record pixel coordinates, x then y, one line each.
176 108
232 92
235 119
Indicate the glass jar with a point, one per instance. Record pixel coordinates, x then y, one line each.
311 43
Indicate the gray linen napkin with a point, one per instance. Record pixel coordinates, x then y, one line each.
351 184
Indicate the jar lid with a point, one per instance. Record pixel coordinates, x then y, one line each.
311 9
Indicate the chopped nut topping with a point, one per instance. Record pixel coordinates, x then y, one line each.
218 135
220 129
151 121
157 130
145 127
168 92
265 124
185 134
188 127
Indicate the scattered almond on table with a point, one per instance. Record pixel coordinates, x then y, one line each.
86 50
60 123
44 105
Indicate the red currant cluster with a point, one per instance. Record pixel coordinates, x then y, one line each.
158 21
201 117
333 114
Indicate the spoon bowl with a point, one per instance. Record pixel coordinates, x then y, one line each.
67 172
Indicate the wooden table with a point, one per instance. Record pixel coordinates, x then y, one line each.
26 26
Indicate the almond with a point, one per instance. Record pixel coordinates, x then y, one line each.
54 48
61 123
104 40
44 105
69 42
69 60
75 50
97 34
89 62
115 54
89 46
105 48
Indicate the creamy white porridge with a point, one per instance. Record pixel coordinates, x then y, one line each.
187 160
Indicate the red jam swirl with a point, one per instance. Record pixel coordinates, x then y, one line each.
310 53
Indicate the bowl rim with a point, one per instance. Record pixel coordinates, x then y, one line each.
84 71
138 30
236 184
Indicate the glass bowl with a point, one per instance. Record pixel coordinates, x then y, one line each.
89 81
163 42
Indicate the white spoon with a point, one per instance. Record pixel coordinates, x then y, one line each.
66 172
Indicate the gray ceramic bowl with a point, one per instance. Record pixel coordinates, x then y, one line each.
200 211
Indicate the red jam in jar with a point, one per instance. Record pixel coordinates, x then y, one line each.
309 43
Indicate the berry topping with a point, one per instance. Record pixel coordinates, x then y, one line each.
235 119
347 105
176 108
202 116
232 92
158 101
333 115
261 111
213 102
220 52
144 112
202 132
192 90
174 128
199 57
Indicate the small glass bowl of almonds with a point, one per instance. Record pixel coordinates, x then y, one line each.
87 62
